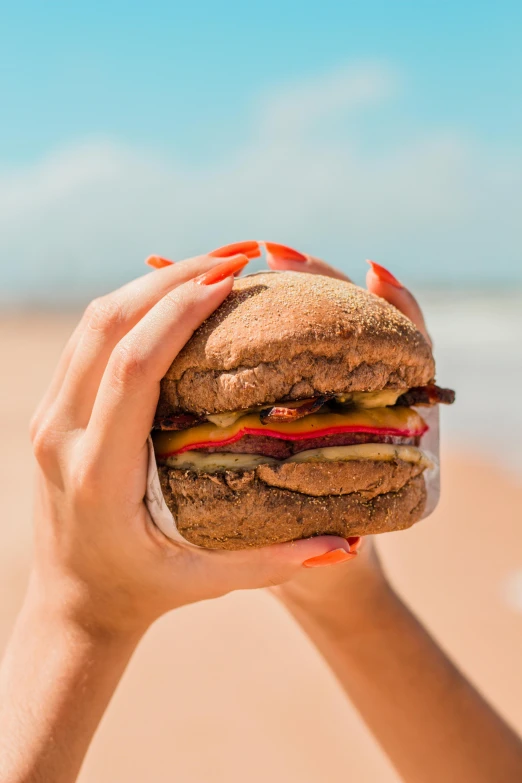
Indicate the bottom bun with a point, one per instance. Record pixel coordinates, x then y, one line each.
238 510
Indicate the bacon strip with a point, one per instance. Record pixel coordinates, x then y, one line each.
427 395
180 421
293 411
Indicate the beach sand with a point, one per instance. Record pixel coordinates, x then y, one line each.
231 690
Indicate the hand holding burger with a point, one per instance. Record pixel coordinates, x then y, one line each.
103 572
425 715
98 555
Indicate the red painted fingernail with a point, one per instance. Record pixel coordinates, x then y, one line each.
221 271
282 251
157 262
354 543
330 558
250 249
383 274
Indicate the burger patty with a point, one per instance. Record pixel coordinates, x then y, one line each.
282 449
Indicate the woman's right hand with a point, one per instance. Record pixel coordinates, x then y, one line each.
350 587
426 716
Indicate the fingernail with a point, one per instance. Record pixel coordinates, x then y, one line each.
222 271
250 249
383 274
288 253
329 558
157 262
354 543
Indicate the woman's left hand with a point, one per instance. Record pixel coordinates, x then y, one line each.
99 557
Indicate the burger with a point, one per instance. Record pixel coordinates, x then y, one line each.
292 412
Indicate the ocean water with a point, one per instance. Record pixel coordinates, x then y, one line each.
478 348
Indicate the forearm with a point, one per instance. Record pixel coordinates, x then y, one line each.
56 681
430 721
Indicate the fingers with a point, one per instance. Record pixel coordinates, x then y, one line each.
378 279
283 258
273 565
250 249
382 283
56 381
105 322
124 409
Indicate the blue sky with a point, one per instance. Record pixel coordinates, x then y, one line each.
390 109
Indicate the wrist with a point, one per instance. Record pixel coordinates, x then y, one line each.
350 610
68 611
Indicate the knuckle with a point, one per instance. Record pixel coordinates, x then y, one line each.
270 573
127 365
44 444
276 579
86 475
175 297
84 484
104 315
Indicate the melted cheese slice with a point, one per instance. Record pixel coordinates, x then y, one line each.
217 462
383 452
220 461
376 399
225 419
386 420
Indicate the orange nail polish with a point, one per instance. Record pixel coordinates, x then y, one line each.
222 271
288 253
354 543
157 262
329 558
383 274
250 249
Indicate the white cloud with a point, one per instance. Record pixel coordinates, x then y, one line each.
85 217
295 107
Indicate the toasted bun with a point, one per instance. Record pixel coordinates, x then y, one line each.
290 336
236 510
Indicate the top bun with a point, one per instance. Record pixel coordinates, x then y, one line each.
289 335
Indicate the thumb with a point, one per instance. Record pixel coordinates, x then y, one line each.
384 284
273 565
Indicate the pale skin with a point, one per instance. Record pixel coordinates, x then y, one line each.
431 722
103 573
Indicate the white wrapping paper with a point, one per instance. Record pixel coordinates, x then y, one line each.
155 502
430 446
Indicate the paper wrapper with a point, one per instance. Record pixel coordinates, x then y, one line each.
160 513
430 446
164 519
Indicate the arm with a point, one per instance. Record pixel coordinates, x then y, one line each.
428 718
56 681
431 722
103 573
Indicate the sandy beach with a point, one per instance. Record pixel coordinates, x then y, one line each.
231 690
